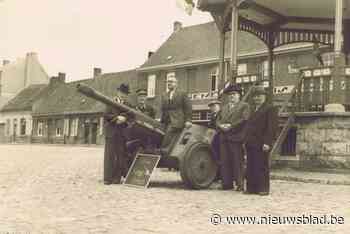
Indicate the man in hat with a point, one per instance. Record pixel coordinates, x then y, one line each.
231 124
261 130
115 138
142 105
139 140
176 113
214 107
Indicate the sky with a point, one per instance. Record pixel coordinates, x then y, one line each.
74 36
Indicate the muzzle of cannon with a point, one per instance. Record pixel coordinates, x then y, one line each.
143 124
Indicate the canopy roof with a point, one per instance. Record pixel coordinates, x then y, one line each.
293 14
297 16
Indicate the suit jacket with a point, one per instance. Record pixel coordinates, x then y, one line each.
148 110
237 117
111 128
262 126
176 112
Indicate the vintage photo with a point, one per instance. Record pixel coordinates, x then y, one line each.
174 116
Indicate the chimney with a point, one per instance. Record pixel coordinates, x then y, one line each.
150 53
177 26
97 72
32 54
62 77
5 61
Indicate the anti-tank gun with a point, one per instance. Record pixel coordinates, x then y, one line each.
191 153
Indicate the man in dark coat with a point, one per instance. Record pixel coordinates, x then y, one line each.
214 107
231 124
115 165
142 105
176 113
139 139
261 130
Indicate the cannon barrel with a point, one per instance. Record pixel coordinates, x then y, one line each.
140 118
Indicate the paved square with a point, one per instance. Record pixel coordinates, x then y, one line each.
56 189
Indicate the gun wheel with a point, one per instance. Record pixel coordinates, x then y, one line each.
197 168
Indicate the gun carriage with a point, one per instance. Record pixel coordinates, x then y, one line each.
191 153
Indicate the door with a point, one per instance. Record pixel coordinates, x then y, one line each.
94 133
86 133
14 130
2 131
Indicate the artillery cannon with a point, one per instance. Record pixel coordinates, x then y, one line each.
191 153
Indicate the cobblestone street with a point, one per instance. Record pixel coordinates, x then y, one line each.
55 189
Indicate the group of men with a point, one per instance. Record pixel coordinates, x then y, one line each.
118 131
241 129
176 114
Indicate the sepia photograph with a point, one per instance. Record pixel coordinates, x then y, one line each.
174 116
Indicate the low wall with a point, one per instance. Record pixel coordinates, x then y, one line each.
323 139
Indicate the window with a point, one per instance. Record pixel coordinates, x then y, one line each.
168 75
292 69
58 131
242 69
265 68
196 115
214 76
227 71
59 124
151 86
66 127
328 59
40 128
101 125
293 65
23 126
74 127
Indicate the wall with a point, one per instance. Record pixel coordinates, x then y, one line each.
197 78
14 135
68 135
323 140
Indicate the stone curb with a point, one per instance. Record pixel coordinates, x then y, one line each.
308 180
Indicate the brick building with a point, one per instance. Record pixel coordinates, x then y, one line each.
193 54
64 116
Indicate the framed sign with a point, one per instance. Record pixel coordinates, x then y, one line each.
139 174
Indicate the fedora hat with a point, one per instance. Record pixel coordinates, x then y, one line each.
232 89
